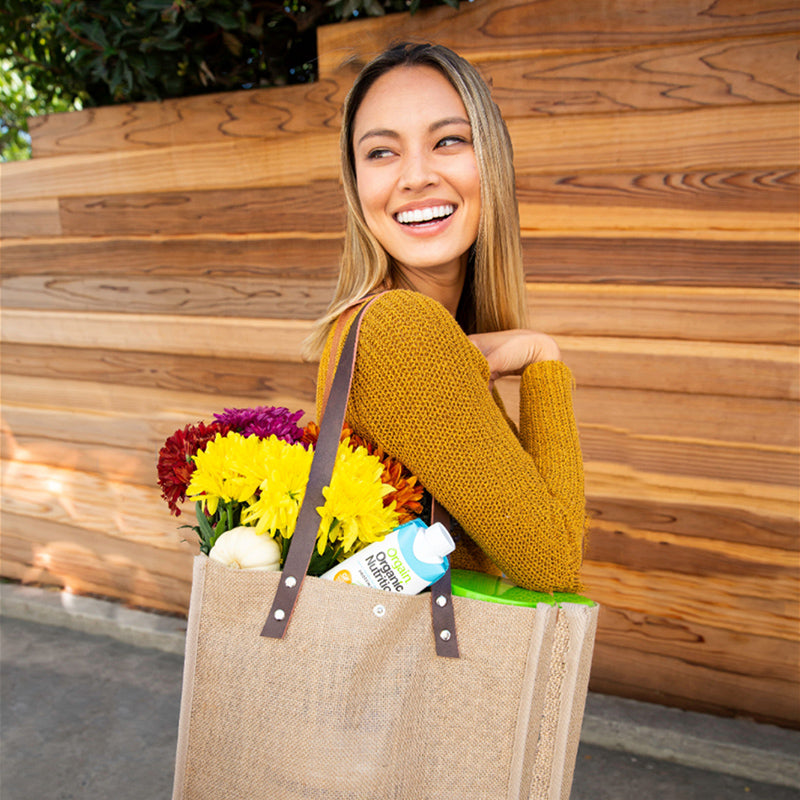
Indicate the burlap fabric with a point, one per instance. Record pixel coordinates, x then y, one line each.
354 704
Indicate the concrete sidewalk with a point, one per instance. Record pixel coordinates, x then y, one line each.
91 691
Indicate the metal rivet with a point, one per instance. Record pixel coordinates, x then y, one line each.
379 611
445 636
279 614
291 582
441 601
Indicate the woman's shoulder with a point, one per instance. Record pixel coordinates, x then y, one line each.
404 307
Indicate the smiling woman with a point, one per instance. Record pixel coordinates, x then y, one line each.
433 227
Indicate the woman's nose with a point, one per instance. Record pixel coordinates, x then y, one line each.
418 172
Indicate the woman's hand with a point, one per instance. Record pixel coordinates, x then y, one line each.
509 352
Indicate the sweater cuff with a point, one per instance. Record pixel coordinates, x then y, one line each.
545 400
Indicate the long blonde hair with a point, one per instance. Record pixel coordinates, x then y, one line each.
494 292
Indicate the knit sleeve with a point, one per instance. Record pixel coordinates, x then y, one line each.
420 390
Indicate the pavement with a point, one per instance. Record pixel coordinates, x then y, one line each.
90 696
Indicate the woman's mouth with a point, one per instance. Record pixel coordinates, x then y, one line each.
421 216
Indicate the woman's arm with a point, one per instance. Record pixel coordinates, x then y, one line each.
421 390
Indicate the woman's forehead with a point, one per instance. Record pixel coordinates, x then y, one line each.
405 95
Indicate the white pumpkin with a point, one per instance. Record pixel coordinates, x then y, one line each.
243 548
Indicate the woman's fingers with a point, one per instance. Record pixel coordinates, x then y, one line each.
509 352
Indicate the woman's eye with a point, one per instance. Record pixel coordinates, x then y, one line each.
449 141
379 152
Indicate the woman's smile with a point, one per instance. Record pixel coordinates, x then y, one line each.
417 175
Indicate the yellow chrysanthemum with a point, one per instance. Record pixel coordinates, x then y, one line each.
221 471
353 510
283 476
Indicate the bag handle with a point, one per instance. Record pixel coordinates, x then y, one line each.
304 538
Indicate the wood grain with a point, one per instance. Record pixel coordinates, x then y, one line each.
229 116
652 263
244 376
658 261
617 519
634 650
161 262
590 80
763 191
691 317
611 222
313 259
316 207
215 337
515 29
30 217
35 550
241 164
632 78
660 141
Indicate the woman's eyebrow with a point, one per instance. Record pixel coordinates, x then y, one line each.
387 132
442 123
379 132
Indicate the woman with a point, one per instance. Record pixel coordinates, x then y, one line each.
432 218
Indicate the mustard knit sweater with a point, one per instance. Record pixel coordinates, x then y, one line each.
420 390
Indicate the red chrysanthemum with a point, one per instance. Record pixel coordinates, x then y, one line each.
175 464
407 492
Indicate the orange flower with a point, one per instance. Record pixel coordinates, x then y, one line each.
407 492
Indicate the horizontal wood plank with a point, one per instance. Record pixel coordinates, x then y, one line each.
683 314
280 111
243 258
242 164
36 550
319 206
661 261
700 139
722 138
480 31
218 337
611 481
246 377
33 217
633 653
700 418
762 191
87 411
599 80
752 535
613 222
316 207
653 263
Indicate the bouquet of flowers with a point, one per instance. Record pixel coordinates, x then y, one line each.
247 473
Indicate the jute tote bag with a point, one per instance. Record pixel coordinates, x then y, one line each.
349 693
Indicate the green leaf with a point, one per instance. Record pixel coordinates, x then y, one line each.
222 18
207 535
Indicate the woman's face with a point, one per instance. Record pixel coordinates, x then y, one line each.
416 171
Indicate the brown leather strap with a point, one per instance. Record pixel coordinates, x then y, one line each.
341 326
305 536
442 613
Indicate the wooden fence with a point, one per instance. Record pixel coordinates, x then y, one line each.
162 261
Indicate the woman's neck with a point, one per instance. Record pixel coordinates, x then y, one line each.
442 284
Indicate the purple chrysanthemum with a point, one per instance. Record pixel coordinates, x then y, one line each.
263 421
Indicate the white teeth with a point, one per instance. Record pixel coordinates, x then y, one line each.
425 214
